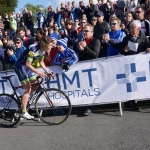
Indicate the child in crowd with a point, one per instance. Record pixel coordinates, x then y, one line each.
66 56
50 55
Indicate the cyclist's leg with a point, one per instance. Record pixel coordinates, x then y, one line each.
25 75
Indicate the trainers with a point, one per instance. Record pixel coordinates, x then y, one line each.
26 115
88 112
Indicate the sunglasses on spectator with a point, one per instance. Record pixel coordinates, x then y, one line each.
137 12
69 24
113 24
83 22
86 31
17 42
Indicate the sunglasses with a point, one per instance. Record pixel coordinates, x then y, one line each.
83 22
113 24
76 21
69 24
137 12
17 42
86 31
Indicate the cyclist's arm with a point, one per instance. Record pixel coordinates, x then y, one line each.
41 61
29 66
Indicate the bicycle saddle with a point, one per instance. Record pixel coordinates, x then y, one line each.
7 77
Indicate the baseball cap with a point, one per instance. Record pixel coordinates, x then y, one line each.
99 13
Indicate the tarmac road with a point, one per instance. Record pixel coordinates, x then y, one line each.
99 131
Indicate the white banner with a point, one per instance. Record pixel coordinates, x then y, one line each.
110 80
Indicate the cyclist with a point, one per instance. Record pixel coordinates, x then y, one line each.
27 73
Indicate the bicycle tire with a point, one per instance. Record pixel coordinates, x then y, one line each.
9 111
56 114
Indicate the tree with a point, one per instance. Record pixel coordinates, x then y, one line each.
7 6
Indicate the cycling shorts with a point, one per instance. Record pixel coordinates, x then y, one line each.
24 74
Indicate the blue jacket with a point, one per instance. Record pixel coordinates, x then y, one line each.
68 55
17 55
116 37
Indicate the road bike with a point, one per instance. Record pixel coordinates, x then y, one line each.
52 105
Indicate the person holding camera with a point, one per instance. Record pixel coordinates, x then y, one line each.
14 55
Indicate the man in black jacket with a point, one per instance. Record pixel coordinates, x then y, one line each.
88 49
101 28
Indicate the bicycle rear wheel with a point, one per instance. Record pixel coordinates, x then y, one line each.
9 111
54 107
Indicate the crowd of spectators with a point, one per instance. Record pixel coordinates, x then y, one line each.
92 31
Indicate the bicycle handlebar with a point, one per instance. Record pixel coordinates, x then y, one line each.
48 76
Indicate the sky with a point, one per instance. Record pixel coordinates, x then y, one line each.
45 3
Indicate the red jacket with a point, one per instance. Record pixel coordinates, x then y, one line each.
48 59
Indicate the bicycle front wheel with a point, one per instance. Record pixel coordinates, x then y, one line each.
53 107
9 111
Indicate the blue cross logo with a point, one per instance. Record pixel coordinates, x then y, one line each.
130 72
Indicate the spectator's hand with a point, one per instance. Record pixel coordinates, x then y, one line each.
83 44
126 49
148 49
106 37
123 26
10 52
80 47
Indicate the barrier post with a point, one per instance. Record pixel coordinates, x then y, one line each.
120 109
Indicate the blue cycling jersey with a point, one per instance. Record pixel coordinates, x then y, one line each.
32 53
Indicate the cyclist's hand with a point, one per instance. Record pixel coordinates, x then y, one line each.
50 74
42 75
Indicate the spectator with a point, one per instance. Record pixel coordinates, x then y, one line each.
116 35
28 34
135 36
94 21
50 14
31 22
145 25
88 49
50 55
18 19
101 28
23 25
74 10
26 41
70 33
62 8
66 56
14 56
1 57
120 9
13 26
52 33
24 17
81 10
91 10
76 23
40 18
131 5
40 33
127 22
